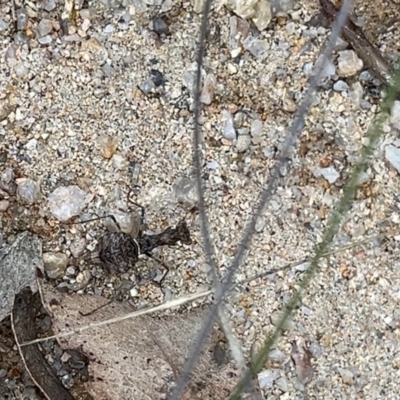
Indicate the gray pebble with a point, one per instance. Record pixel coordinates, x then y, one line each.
4 204
308 68
257 47
256 129
302 267
365 105
288 325
3 25
212 165
282 384
243 143
267 378
49 5
329 173
147 86
356 92
328 70
70 271
260 224
119 162
45 40
340 44
346 375
392 154
159 26
44 28
365 76
290 28
109 28
239 119
229 132
167 5
315 349
77 248
21 70
22 19
276 355
340 86
282 6
7 182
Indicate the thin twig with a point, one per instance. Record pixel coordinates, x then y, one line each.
325 255
294 131
161 307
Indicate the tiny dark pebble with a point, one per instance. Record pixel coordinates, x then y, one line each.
159 26
157 77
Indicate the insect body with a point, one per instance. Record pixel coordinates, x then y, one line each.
119 252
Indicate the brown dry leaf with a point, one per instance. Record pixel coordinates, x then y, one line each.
138 358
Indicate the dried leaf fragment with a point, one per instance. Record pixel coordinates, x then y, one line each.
26 306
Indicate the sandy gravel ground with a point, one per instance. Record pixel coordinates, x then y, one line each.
71 113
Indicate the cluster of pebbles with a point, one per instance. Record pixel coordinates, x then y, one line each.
88 113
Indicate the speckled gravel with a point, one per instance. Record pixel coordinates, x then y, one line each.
108 106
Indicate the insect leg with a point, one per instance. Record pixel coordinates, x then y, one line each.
165 266
96 309
141 211
98 218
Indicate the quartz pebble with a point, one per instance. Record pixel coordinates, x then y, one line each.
7 182
267 378
4 204
55 264
243 143
282 384
3 25
329 173
45 27
229 132
260 224
207 94
276 355
392 154
259 11
27 190
346 375
258 47
185 191
348 63
340 86
328 71
395 115
49 5
356 93
108 146
282 6
66 202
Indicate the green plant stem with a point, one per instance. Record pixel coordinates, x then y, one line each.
333 225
